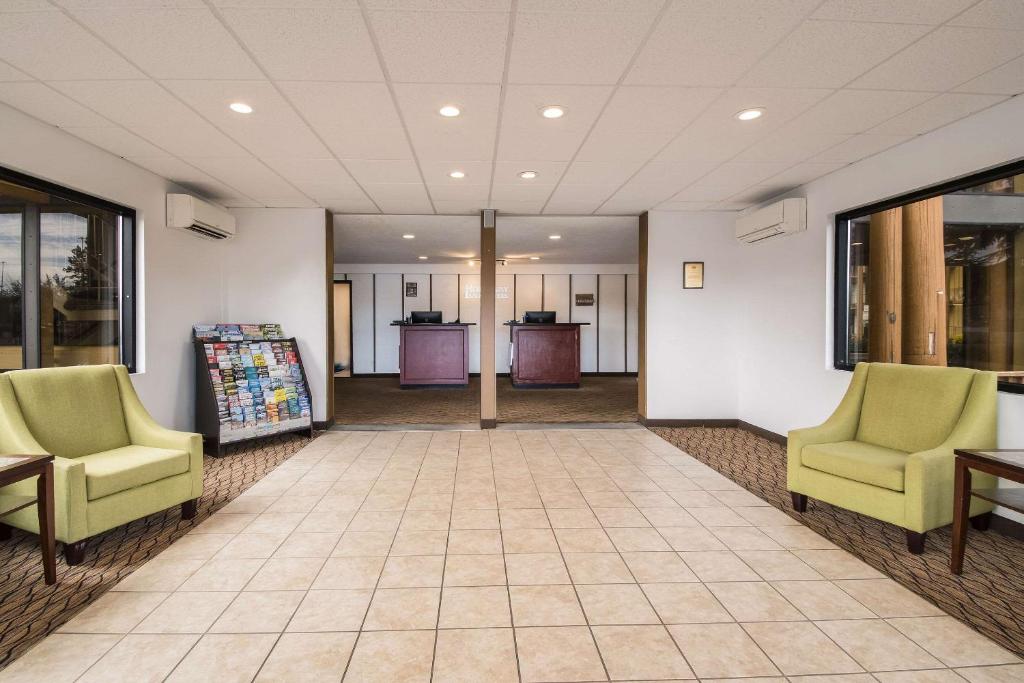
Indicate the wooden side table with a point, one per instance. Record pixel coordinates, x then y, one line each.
15 468
1005 463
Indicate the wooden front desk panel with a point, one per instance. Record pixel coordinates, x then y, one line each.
546 354
433 354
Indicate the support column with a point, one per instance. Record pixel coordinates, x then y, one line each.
329 285
885 286
488 381
924 277
641 319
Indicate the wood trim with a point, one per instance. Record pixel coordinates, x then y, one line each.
717 423
763 433
641 319
329 277
488 274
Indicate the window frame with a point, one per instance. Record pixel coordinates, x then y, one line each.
841 251
31 268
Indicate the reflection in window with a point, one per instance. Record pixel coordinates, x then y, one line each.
939 281
11 215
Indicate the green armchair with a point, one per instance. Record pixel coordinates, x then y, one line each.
113 463
887 450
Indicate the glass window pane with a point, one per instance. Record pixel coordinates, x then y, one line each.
79 276
12 211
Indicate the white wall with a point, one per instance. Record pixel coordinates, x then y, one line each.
179 276
692 344
525 287
276 273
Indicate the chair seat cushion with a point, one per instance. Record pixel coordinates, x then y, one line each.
120 469
858 461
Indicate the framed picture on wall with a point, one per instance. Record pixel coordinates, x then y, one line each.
693 275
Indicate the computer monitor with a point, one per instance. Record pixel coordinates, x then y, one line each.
425 317
539 317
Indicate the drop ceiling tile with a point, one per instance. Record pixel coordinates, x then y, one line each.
405 206
437 172
641 194
571 208
322 191
612 173
885 11
442 47
935 113
702 192
272 4
622 207
527 136
116 140
656 108
403 191
993 14
300 171
810 57
791 144
131 4
801 174
678 53
356 120
859 147
548 172
457 207
669 177
9 73
583 193
513 206
520 192
172 43
384 170
273 129
190 178
758 194
469 137
441 5
684 206
251 177
308 44
944 59
46 104
49 45
621 145
742 174
855 111
575 47
199 140
463 193
25 6
1007 79
350 206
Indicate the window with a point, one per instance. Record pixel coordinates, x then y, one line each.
66 277
936 278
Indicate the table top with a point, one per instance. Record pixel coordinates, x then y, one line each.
1008 458
516 323
402 323
16 467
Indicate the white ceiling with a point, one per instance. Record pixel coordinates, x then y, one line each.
455 239
346 94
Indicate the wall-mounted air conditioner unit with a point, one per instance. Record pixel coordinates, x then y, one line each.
199 217
781 218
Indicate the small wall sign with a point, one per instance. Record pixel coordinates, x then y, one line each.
584 299
693 275
411 288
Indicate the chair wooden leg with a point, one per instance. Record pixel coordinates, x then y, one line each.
74 553
5 532
982 521
915 541
799 501
189 508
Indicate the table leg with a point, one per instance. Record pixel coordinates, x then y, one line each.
961 510
44 492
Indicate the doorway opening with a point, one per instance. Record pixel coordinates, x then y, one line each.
342 328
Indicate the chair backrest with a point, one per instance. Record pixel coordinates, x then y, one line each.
71 411
911 407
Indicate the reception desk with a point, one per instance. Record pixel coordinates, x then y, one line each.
433 354
545 354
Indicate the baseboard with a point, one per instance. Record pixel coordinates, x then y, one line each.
717 422
320 426
763 433
1007 527
488 424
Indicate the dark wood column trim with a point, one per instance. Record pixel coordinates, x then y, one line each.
641 319
329 248
488 275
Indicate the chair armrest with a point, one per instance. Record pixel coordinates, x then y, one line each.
70 499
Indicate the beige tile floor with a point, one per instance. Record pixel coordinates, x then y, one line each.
586 555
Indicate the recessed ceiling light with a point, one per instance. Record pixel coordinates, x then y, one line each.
422 258
469 263
240 107
535 258
528 175
750 114
457 174
408 236
449 111
554 237
552 111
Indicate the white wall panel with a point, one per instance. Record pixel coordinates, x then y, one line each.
586 284
420 302
557 296
388 299
362 322
503 312
632 303
528 294
444 292
611 323
469 312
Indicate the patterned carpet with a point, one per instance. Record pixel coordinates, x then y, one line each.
379 400
29 609
988 595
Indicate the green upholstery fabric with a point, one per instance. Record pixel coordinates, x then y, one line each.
125 468
887 450
72 411
145 469
863 462
912 408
